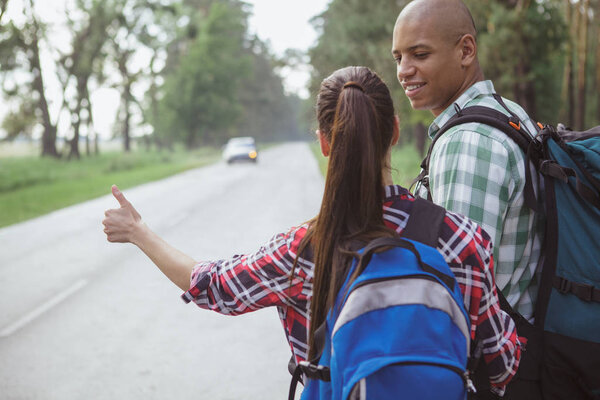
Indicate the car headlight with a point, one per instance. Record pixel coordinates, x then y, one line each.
252 154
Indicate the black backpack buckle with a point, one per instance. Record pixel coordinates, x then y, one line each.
583 291
313 371
564 286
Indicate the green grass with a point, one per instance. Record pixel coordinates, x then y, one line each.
32 186
406 163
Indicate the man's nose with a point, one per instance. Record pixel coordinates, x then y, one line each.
404 69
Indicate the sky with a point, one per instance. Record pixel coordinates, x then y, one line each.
285 24
282 24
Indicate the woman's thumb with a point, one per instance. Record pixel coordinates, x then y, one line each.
119 196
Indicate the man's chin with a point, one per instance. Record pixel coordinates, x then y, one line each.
418 105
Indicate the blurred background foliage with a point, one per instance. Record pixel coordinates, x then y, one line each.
207 79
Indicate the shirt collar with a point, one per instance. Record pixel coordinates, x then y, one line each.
391 191
480 88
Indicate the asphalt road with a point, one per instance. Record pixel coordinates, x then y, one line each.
84 318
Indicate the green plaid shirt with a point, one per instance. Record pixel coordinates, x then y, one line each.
475 170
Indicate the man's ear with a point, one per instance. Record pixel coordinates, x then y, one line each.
325 147
468 48
396 135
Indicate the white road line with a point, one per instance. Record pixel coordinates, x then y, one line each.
27 318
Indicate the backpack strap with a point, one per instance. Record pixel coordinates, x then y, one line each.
424 226
509 124
387 242
425 222
583 291
305 366
296 377
553 169
310 369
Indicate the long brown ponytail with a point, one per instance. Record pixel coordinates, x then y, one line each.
356 115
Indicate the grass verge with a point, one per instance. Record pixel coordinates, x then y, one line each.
33 186
406 163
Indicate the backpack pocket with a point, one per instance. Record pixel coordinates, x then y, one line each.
411 380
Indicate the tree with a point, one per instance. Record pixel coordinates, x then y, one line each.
582 50
138 28
267 113
581 64
200 102
582 57
83 62
567 93
20 52
20 121
3 5
131 19
156 36
355 32
597 61
520 44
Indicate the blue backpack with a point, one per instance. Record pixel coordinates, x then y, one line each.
399 330
565 340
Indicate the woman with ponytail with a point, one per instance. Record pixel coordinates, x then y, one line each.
301 270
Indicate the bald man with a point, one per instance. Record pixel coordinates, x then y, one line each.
475 170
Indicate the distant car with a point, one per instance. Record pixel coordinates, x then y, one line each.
240 148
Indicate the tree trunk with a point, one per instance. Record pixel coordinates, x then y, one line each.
49 133
76 117
567 95
153 93
74 142
126 96
582 67
3 4
90 125
597 13
191 136
88 149
127 119
524 89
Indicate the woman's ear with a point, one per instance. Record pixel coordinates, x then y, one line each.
325 147
396 135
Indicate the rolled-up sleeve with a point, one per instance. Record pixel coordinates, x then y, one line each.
498 334
249 282
493 328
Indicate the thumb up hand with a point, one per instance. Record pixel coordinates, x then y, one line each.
124 203
121 224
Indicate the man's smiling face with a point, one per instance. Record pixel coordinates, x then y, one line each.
428 63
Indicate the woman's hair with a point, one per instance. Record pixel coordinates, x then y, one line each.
355 113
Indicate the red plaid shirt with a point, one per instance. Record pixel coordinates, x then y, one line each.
250 282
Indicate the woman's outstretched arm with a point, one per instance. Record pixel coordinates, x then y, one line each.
125 225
